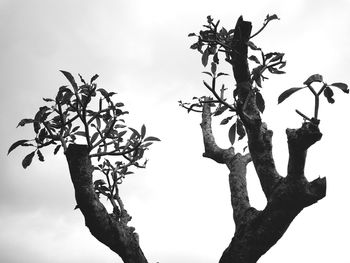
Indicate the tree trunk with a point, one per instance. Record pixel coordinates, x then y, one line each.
257 231
109 229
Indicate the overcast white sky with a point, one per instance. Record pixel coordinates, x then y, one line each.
180 203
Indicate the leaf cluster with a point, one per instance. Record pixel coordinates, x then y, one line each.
213 43
326 90
71 115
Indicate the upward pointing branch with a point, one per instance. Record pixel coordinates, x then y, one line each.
236 163
259 137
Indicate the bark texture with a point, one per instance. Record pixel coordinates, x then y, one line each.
257 231
109 229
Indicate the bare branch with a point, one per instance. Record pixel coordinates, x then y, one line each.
212 150
107 228
299 140
238 186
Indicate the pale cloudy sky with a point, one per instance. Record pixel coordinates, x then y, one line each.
180 203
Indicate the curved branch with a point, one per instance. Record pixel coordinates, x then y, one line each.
236 163
211 149
107 228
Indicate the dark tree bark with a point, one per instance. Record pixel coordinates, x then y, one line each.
257 231
110 229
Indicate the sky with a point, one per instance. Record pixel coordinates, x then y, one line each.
180 203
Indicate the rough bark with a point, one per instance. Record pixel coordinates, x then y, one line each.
109 229
257 231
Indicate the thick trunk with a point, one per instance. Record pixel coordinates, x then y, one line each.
107 228
257 231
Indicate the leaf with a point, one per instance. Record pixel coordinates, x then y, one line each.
103 92
135 132
277 56
194 46
282 65
121 134
220 110
209 20
143 131
216 58
94 137
269 18
341 86
94 78
80 133
16 144
75 129
119 104
70 79
48 99
285 94
191 34
328 93
81 79
275 71
98 122
151 138
208 73
207 85
252 45
99 182
145 145
40 156
314 78
36 126
232 133
28 160
56 149
222 74
240 129
213 68
66 97
260 103
269 55
24 122
255 59
205 57
226 120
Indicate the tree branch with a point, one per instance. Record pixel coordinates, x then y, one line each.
107 228
299 140
211 149
236 163
259 137
238 186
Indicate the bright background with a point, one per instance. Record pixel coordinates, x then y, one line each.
180 203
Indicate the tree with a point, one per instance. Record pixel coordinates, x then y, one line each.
256 231
71 118
106 136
